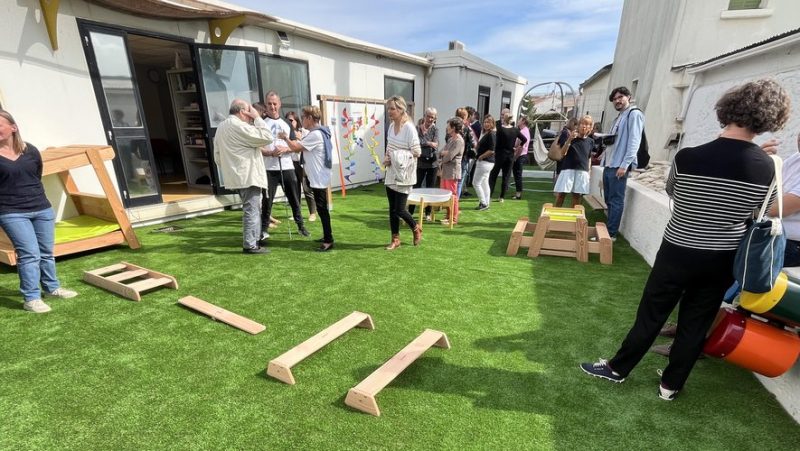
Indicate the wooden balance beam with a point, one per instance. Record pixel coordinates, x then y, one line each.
148 279
220 314
281 367
362 396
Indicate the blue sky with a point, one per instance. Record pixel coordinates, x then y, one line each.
541 40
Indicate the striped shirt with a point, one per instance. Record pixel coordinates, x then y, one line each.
715 188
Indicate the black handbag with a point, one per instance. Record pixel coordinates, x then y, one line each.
759 258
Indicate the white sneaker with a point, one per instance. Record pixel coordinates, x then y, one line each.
666 394
61 293
37 306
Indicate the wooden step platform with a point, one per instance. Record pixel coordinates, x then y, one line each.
362 396
561 232
281 367
596 203
111 278
220 314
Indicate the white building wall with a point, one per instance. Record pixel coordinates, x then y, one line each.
708 29
594 100
701 126
58 105
656 37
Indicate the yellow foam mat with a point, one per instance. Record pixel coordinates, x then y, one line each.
82 227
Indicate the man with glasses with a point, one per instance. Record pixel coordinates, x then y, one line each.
620 156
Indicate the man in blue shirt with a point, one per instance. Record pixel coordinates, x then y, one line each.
620 157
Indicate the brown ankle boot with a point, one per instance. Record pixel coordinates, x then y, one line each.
395 242
417 234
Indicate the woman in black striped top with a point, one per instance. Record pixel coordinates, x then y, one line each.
714 188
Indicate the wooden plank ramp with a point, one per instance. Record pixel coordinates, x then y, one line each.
362 396
220 314
281 367
111 278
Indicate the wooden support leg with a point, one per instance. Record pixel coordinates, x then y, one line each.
581 240
516 236
538 236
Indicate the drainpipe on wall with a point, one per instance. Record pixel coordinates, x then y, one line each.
685 108
427 96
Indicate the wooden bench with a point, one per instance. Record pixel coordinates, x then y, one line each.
111 277
220 314
281 367
362 396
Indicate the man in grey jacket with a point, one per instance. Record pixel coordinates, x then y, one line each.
238 154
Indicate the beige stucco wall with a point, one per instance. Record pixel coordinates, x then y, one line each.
594 100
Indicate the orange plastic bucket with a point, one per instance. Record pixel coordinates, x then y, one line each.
757 346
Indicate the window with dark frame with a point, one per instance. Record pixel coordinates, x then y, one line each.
484 95
506 100
393 86
735 5
289 78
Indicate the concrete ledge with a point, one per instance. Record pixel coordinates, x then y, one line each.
643 222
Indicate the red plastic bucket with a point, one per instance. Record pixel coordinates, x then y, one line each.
752 344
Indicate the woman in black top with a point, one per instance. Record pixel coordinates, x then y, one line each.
27 217
574 175
485 162
507 135
715 188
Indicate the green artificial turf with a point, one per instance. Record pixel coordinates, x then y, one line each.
104 372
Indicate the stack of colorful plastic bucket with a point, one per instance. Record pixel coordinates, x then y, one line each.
752 344
782 303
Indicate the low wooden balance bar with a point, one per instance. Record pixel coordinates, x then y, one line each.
220 314
362 396
106 209
562 232
111 278
281 367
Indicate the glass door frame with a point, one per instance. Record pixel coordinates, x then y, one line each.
112 133
211 131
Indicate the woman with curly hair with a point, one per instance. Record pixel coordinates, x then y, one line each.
714 189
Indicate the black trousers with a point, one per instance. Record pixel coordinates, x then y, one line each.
696 278
519 163
303 187
500 163
286 180
397 210
428 176
321 200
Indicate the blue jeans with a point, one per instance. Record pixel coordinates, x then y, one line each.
614 195
33 236
464 173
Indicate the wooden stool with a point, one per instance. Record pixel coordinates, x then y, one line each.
432 197
562 232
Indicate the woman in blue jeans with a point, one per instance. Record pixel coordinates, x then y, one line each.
27 217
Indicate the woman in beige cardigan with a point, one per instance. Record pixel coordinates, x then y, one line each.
451 163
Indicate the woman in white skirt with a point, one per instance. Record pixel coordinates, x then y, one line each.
574 176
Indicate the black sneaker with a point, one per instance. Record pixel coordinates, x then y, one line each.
304 231
484 208
602 370
465 194
479 206
256 250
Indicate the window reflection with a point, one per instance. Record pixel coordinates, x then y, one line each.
289 79
115 76
227 75
137 166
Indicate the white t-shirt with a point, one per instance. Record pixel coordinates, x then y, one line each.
319 176
791 185
285 161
